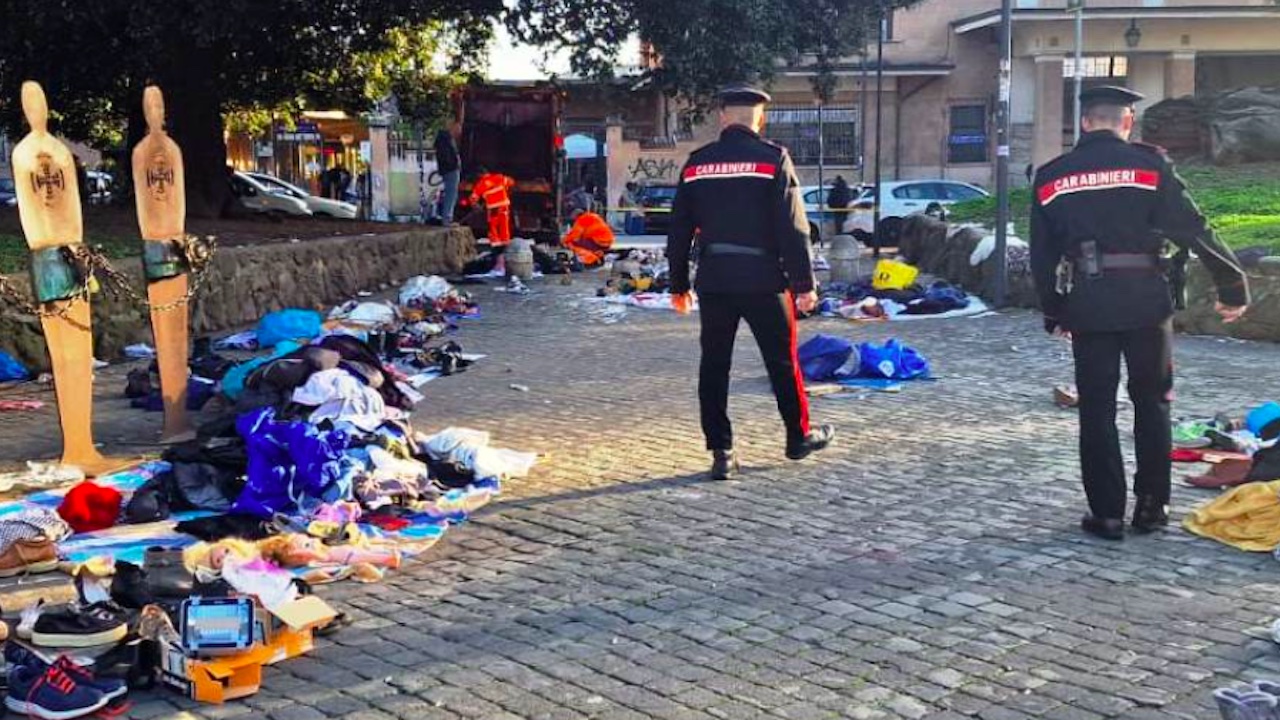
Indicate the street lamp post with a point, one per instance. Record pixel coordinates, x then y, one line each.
875 221
1077 7
1002 154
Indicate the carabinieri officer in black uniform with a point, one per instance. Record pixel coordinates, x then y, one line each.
740 197
1100 217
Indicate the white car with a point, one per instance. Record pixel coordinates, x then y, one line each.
98 187
259 198
320 206
815 204
907 197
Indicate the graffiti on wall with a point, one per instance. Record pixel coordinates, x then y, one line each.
651 169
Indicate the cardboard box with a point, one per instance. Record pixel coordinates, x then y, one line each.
289 629
213 680
279 634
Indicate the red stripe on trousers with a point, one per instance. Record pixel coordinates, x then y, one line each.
795 364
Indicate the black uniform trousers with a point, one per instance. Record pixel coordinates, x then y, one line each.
1148 355
771 318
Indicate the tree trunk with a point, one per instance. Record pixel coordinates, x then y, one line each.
193 109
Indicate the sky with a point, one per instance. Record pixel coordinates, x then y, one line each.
508 61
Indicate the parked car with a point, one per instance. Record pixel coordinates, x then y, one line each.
8 192
815 205
906 197
98 187
657 200
320 206
259 198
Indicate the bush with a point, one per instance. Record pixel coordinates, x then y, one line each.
1242 204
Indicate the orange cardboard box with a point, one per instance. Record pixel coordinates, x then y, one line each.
214 680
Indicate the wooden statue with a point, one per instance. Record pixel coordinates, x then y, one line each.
44 174
159 186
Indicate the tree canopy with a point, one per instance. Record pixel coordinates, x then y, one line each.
705 44
213 57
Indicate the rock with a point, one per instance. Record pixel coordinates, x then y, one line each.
1244 126
1177 125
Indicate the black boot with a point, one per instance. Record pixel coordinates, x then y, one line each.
816 440
1105 528
724 465
1149 514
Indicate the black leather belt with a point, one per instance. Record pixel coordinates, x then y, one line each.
1123 261
719 248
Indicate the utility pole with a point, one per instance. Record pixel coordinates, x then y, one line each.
1077 6
1002 153
875 226
862 120
822 160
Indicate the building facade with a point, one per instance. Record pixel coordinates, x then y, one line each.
941 65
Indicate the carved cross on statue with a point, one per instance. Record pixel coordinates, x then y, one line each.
47 179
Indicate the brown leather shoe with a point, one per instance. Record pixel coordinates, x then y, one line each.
29 556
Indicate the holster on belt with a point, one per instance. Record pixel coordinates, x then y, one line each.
54 275
1064 279
1175 271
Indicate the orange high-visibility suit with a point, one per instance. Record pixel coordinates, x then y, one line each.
589 238
492 188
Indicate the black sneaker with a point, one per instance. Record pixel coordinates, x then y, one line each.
98 624
816 440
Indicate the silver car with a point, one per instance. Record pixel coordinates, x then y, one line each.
319 206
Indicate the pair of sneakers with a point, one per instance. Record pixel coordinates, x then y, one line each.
57 690
1258 701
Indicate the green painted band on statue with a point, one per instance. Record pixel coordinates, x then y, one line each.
53 277
161 259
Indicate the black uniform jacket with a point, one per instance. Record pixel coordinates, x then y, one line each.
1127 198
740 192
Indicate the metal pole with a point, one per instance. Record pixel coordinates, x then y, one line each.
875 222
862 121
1002 154
822 204
1078 7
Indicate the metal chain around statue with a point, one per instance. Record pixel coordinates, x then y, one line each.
90 262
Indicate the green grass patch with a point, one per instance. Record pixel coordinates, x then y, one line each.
16 257
1242 204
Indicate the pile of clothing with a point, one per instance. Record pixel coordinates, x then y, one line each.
636 271
863 301
307 470
826 358
1247 515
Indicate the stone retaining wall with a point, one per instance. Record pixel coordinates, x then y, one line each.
249 281
942 250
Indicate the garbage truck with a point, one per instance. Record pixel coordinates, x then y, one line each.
515 130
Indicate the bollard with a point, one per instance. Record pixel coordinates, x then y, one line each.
845 259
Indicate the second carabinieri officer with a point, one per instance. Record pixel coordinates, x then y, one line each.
740 199
1099 220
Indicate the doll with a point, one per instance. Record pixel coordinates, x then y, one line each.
297 550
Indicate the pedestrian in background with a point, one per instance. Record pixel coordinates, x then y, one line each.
1100 216
449 166
741 196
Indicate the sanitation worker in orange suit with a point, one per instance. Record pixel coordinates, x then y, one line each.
589 238
492 189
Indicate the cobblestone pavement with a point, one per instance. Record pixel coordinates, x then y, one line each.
927 566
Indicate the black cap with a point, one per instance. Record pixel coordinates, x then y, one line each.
743 95
1109 95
